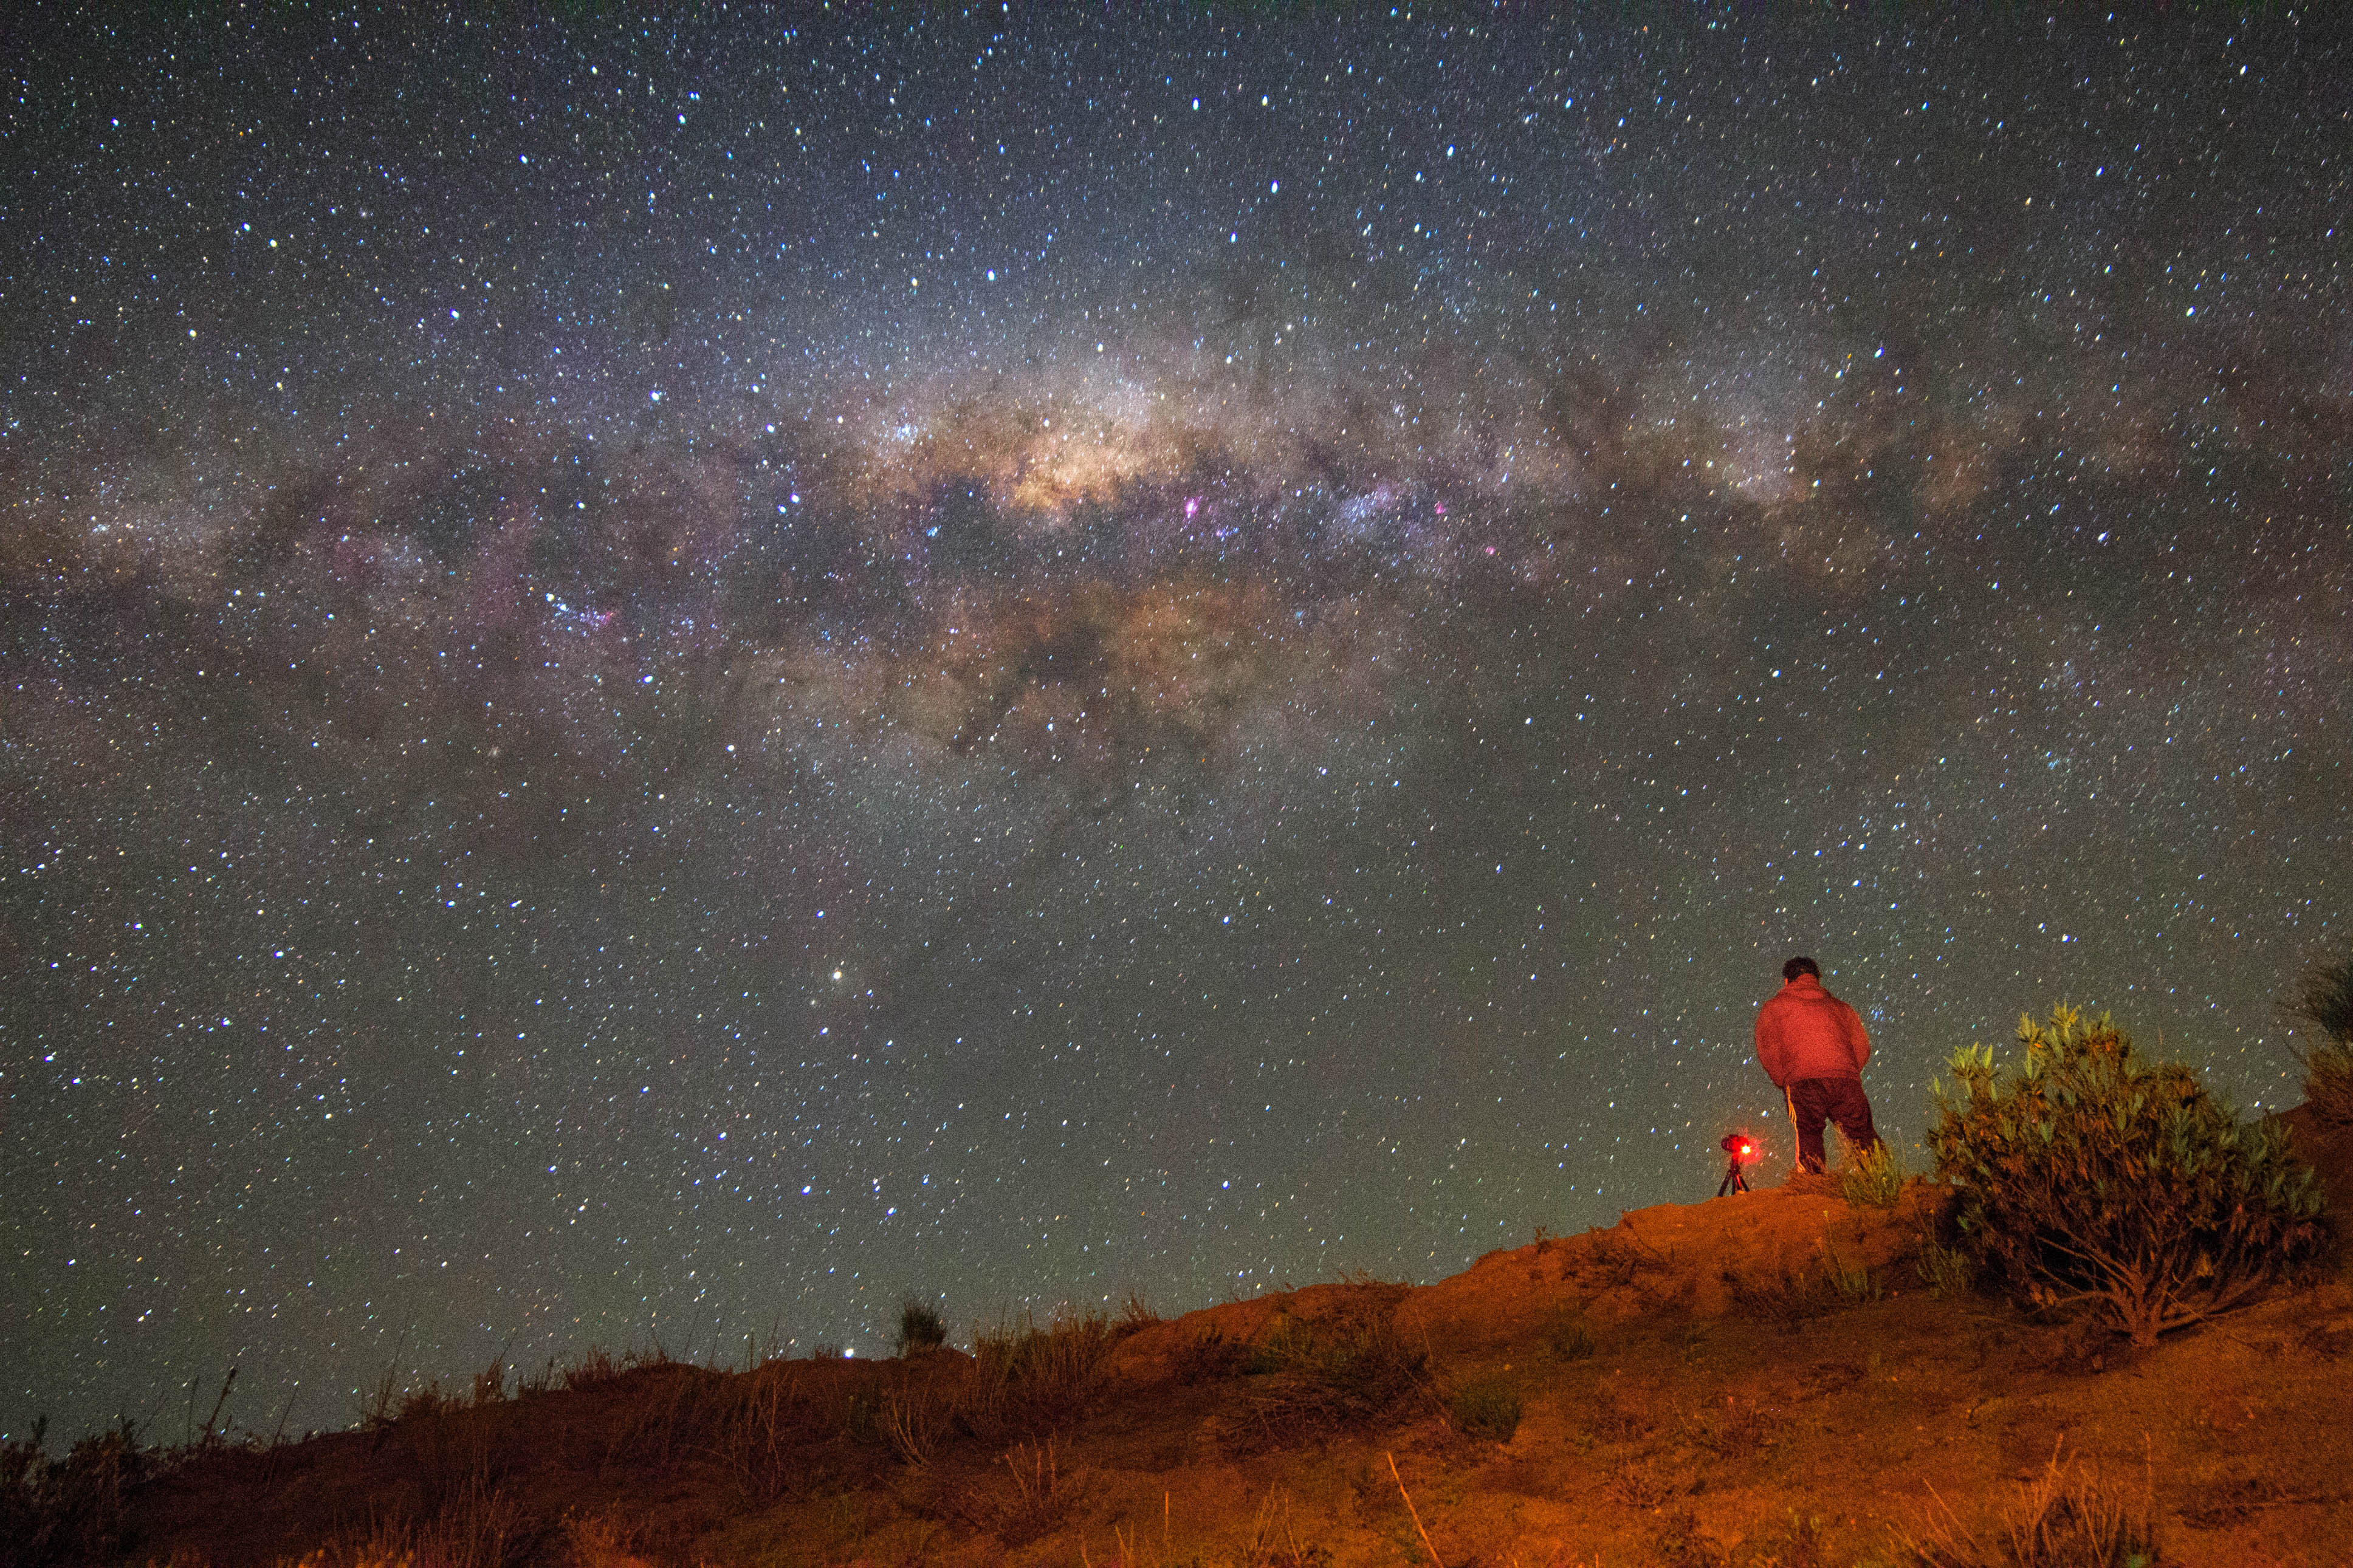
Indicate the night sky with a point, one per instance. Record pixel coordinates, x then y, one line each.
662 680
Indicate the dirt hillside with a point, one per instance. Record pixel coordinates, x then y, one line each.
1765 1379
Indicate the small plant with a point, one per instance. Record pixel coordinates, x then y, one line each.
491 1383
2324 999
1874 1178
1615 1419
1568 1338
1945 1270
1799 1546
1732 1432
1855 1285
1135 1314
1036 1497
1488 1406
921 1328
2088 1177
474 1524
1636 1483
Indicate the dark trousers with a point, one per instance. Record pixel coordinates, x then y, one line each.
1814 1100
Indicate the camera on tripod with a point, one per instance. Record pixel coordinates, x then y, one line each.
1741 1152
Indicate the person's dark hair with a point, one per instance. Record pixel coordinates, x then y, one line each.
1798 966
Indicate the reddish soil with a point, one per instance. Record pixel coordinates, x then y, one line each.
1691 1388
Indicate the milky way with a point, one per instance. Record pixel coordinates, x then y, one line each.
665 681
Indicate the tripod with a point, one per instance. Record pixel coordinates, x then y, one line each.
1735 1178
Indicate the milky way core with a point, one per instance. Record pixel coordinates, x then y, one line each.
666 681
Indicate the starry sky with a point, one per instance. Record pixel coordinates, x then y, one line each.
663 679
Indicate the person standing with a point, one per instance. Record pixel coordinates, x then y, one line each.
1812 1046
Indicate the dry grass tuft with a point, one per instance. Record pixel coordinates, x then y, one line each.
763 1431
2065 1518
1798 1546
1033 1497
1207 1357
69 1511
1274 1539
1135 1314
476 1524
1616 1258
1616 1419
1343 1368
1488 1405
1680 1542
1637 1483
1731 1430
597 1541
1786 1299
916 1417
1030 1381
1568 1338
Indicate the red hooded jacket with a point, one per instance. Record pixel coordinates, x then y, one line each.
1805 1032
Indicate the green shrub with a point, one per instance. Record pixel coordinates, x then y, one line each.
1874 1176
1488 1406
921 1327
2088 1177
